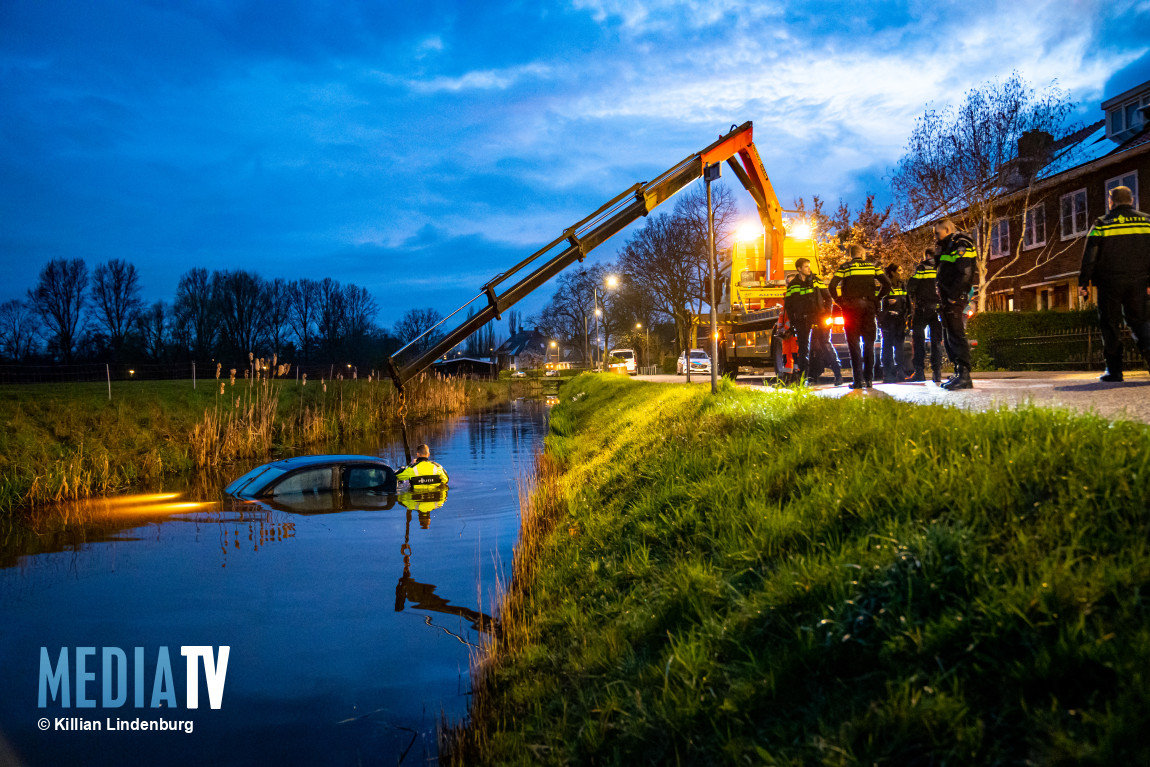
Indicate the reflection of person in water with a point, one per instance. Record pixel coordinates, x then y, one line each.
424 502
422 595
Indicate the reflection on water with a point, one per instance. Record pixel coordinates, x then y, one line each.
333 660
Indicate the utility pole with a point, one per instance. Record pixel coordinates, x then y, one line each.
712 173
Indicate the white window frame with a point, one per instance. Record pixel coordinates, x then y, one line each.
1075 231
1029 226
999 232
1117 181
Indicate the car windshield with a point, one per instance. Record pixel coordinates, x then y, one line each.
698 355
265 473
624 354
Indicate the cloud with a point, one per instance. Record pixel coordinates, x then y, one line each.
360 139
485 79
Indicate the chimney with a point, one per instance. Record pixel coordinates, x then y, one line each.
1033 152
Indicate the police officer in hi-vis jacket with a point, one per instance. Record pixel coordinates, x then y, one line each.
922 290
1117 262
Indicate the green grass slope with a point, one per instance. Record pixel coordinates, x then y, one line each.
760 578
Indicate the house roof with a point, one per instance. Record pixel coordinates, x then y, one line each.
523 341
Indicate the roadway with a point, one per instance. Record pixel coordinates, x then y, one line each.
1080 392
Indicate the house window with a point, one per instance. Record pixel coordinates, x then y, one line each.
1074 221
1000 238
1035 227
1128 180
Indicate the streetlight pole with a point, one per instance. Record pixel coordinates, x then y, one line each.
647 354
598 338
711 173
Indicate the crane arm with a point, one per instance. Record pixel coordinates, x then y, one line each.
736 148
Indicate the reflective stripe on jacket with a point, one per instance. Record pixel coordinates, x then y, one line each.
424 473
956 262
804 296
859 279
1117 248
922 286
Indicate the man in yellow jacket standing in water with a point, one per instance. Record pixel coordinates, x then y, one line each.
423 473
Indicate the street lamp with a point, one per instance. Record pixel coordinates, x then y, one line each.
612 282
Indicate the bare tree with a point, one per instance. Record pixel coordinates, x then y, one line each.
330 316
415 322
152 326
662 261
571 312
277 302
304 311
195 312
116 299
966 162
59 298
690 214
359 313
19 328
238 296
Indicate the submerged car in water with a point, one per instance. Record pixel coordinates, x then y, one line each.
319 483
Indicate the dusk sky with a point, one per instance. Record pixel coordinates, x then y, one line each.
419 148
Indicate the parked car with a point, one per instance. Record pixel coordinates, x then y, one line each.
700 362
318 483
519 374
551 372
627 356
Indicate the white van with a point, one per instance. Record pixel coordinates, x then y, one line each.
628 357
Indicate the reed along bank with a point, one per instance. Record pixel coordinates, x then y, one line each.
61 442
778 578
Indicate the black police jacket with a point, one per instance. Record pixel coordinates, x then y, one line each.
956 265
895 306
922 287
858 281
804 297
1117 248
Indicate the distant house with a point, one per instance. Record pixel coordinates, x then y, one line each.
525 350
466 367
1072 178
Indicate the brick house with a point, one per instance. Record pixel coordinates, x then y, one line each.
1069 191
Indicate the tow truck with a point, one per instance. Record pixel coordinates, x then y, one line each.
736 148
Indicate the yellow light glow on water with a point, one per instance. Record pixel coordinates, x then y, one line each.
129 500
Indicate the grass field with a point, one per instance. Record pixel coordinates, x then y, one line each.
66 441
759 578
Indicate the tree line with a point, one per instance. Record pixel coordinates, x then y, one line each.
74 314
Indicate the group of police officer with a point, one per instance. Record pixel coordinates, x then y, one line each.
933 299
1116 261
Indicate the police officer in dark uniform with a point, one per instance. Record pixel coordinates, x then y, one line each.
1117 262
823 352
956 264
922 290
892 317
857 287
801 302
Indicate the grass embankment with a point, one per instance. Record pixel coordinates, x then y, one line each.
67 441
785 579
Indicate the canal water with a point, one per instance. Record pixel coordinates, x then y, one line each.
350 629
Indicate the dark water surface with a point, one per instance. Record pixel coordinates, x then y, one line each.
346 643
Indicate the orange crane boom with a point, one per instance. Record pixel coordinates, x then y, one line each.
736 148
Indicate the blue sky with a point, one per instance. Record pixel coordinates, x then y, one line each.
419 148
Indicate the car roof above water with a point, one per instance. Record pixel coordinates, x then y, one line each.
261 475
